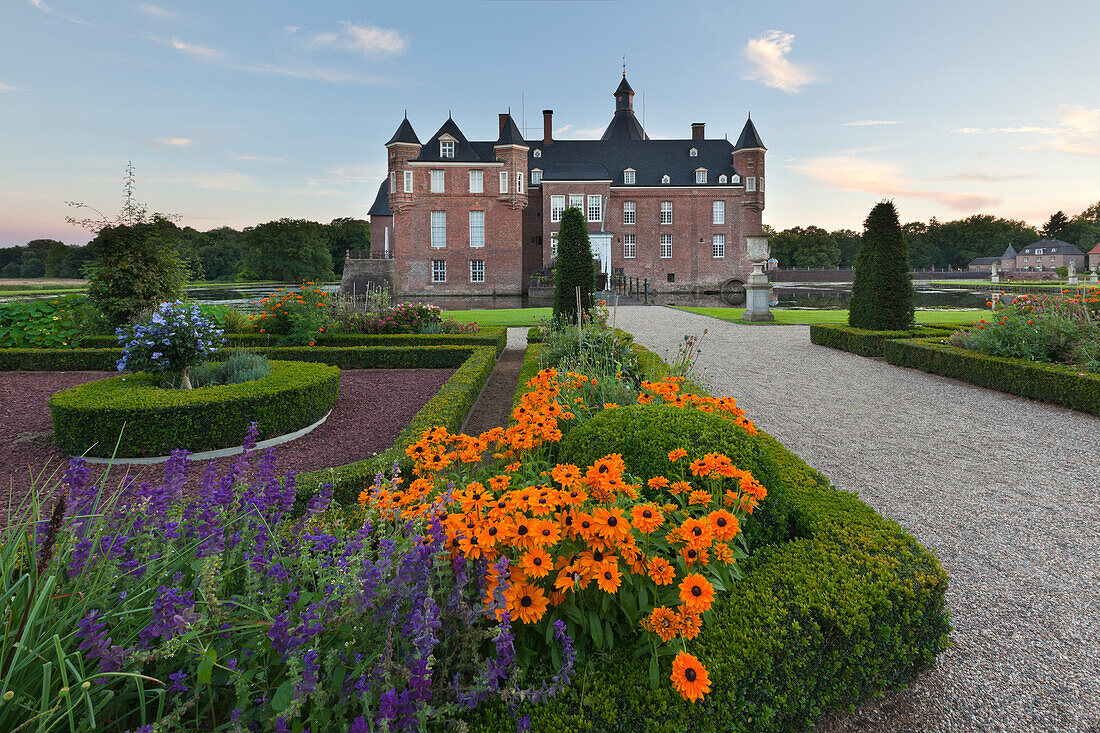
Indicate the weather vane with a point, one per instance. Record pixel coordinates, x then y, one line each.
624 65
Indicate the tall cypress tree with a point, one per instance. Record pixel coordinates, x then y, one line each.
575 266
882 291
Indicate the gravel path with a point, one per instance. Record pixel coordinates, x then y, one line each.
493 407
1004 490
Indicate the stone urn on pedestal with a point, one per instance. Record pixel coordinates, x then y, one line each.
757 289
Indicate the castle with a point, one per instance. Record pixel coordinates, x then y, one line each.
462 217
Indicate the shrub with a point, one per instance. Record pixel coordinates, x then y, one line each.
89 419
297 314
882 293
48 323
574 266
409 318
450 325
175 338
236 368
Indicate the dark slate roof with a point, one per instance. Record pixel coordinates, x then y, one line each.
750 138
624 126
984 260
510 135
381 205
624 86
1051 247
464 151
404 134
651 159
1009 254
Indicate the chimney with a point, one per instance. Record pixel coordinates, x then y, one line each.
503 121
697 130
547 126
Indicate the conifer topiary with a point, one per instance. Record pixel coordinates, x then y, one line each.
574 267
882 291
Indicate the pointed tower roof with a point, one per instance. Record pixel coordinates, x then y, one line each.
1009 254
510 135
750 138
404 134
464 151
624 125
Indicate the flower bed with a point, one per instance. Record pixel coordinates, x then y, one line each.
1056 383
131 416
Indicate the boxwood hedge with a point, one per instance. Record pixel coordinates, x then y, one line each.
90 418
1063 385
867 343
484 337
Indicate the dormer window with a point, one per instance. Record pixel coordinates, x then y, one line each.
628 176
701 175
735 179
538 153
446 148
722 178
666 179
694 153
1038 251
536 177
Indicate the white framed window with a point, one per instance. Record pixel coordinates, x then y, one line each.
693 153
477 181
477 271
446 148
718 212
628 176
595 207
557 206
665 179
538 153
553 244
722 178
1038 251
666 212
760 184
393 181
750 183
536 177
630 212
519 183
439 228
666 246
504 181
477 228
439 271
1052 258
408 181
576 200
437 181
701 175
718 243
630 247
735 179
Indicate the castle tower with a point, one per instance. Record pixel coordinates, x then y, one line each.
402 147
511 150
748 161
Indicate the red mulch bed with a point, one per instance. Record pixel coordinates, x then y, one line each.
373 407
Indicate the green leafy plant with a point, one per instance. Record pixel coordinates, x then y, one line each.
51 323
237 367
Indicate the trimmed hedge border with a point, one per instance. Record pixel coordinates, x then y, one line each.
866 343
88 419
1055 383
448 408
534 335
484 337
849 606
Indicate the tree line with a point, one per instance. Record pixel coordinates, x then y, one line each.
936 244
286 250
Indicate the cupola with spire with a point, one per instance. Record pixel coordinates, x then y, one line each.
624 125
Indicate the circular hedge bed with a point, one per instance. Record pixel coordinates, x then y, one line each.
153 421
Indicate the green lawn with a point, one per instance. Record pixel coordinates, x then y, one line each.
810 317
501 316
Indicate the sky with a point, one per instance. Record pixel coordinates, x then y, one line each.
236 113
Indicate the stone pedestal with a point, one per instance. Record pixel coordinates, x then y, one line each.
1092 277
758 296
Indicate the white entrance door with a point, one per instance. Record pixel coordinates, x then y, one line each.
601 250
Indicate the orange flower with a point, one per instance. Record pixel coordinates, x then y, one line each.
699 467
611 524
566 474
723 524
536 563
699 497
526 602
677 454
547 534
609 405
688 624
696 533
679 487
608 577
692 556
661 570
662 622
646 518
689 677
657 482
696 593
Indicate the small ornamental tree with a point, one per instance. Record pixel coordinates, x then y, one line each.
882 292
574 266
174 339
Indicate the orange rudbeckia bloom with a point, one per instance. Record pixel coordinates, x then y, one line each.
661 570
536 563
662 622
646 518
689 677
526 602
696 593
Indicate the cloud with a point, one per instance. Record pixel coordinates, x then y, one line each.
368 40
193 49
10 88
870 123
256 158
883 179
41 5
579 132
174 142
980 177
344 180
1077 132
155 11
768 54
228 181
